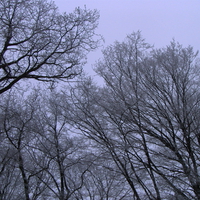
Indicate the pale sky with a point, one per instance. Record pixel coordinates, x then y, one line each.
158 20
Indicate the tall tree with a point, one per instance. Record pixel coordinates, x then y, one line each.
146 116
37 42
41 157
18 169
64 151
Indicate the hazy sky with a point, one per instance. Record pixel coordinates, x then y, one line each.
158 20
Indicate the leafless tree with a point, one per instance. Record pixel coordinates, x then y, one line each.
37 42
41 157
146 116
64 151
18 171
136 137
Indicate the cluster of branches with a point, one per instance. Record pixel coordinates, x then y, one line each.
146 116
136 137
41 157
37 42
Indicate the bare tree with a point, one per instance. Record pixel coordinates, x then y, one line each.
104 181
40 157
147 116
143 125
64 151
18 172
37 42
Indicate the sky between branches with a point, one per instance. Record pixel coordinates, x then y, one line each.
158 20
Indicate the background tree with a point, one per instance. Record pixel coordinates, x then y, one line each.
18 168
103 180
42 158
37 42
63 151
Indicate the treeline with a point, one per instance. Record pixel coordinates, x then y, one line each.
136 136
42 156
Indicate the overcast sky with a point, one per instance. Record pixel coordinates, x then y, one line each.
158 20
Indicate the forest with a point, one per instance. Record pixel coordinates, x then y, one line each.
64 136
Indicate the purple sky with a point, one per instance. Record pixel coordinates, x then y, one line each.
158 20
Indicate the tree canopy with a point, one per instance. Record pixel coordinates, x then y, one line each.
146 116
38 42
134 137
